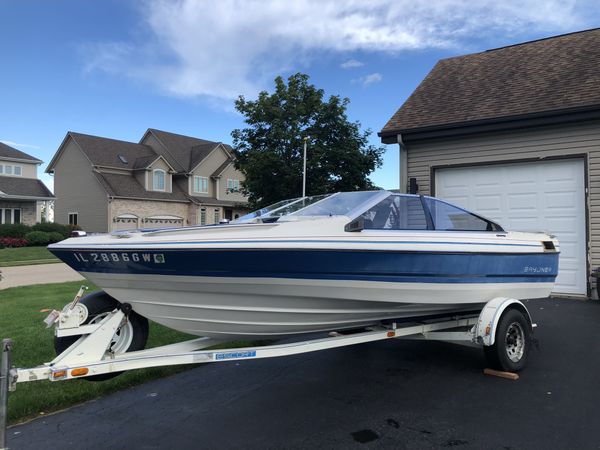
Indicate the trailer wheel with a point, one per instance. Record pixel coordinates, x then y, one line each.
513 341
132 336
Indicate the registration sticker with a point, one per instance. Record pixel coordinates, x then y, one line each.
235 355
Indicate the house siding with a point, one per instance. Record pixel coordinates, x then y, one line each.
230 173
557 141
205 169
28 170
77 190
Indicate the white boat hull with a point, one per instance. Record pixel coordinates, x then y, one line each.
269 308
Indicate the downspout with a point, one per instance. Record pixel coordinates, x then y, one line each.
403 169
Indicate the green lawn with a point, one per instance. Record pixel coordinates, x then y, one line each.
21 320
26 255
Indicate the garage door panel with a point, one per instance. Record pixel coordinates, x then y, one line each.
545 195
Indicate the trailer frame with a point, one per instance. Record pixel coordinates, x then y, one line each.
88 356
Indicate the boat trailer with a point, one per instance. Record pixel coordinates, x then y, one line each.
88 356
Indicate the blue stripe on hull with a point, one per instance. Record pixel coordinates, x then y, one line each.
388 266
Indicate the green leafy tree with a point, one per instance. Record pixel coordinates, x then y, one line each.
269 150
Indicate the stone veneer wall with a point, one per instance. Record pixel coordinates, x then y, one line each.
147 208
28 210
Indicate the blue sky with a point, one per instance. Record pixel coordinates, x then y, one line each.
117 67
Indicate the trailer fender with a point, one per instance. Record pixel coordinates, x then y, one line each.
485 332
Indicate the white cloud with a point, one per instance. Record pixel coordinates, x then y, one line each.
371 79
219 49
351 64
17 145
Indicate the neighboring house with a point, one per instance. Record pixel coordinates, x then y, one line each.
22 195
166 179
514 134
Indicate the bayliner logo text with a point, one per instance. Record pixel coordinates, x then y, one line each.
154 258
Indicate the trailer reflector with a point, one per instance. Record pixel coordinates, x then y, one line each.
59 374
391 333
79 372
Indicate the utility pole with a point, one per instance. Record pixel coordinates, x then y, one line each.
304 171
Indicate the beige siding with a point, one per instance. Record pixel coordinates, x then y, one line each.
77 190
231 173
27 170
514 146
205 169
159 164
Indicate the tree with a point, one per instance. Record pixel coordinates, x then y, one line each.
269 150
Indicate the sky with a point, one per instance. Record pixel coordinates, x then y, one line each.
115 68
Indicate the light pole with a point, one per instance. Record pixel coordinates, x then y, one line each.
304 171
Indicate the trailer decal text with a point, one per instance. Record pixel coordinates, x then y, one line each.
235 355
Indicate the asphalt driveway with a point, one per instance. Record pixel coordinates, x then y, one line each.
391 394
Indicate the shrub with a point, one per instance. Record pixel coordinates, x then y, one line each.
11 242
17 230
51 227
55 236
38 238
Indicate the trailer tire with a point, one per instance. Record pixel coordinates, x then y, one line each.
129 339
512 344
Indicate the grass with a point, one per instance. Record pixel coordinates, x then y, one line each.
21 320
26 255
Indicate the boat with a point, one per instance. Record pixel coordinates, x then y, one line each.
321 263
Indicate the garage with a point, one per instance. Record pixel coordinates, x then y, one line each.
532 196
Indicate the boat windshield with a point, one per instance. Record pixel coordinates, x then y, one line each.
339 204
275 211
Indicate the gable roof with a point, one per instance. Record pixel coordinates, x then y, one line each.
103 151
126 186
7 151
548 75
17 187
183 152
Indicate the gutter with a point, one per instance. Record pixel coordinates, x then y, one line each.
492 124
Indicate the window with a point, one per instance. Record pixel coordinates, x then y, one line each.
10 170
217 215
73 218
396 212
10 215
447 217
233 185
200 185
159 180
203 216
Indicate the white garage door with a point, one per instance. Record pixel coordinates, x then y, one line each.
537 196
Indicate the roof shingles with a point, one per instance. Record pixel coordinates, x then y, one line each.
554 74
23 187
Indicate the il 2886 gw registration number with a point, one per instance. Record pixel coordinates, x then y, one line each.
99 257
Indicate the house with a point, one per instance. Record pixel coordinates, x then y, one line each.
514 134
166 179
22 194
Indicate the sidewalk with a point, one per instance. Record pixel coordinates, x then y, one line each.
37 274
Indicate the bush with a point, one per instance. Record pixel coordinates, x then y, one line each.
17 230
38 238
51 227
55 236
12 242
